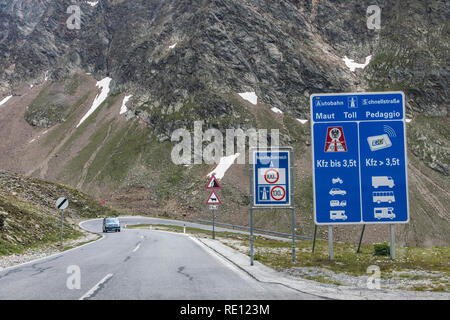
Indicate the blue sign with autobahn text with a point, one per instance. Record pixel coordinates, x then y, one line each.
359 158
271 177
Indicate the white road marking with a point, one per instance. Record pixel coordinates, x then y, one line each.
137 247
96 287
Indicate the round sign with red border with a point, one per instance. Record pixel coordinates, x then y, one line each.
276 193
271 178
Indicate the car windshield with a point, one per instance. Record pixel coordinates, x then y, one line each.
112 220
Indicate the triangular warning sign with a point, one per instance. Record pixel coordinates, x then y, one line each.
335 140
213 183
213 199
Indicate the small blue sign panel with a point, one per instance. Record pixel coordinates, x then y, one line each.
271 177
359 158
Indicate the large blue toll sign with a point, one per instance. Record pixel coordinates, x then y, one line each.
359 158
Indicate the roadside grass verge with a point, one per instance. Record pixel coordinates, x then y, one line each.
412 263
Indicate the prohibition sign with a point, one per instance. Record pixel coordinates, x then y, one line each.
277 193
269 179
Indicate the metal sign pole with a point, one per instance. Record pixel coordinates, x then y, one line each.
251 236
251 211
360 238
293 235
392 249
330 242
61 237
292 202
314 238
213 216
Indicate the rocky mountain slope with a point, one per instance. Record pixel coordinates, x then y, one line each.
183 61
28 217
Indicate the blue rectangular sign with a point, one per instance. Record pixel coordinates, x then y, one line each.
359 158
271 177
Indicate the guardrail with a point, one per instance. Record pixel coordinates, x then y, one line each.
285 235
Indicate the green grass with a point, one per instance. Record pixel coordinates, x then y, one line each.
118 155
277 255
75 166
58 133
28 227
72 84
79 244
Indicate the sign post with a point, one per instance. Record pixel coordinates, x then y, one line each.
213 200
392 241
359 159
62 204
271 184
330 242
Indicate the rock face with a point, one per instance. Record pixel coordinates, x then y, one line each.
185 61
284 51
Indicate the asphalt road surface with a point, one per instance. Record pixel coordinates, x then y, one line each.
137 264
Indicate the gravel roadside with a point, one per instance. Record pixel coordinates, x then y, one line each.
45 251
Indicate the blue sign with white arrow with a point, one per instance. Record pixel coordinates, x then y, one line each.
359 158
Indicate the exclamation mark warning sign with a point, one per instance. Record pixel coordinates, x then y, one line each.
335 141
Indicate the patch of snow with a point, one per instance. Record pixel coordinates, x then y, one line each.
92 3
352 65
408 120
31 86
224 164
276 110
32 141
302 121
173 46
5 100
46 76
124 109
99 99
88 73
250 97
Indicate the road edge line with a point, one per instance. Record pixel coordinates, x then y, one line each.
96 287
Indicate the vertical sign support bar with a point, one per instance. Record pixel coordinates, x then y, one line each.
360 238
213 218
392 249
330 242
293 234
291 194
61 236
314 238
251 207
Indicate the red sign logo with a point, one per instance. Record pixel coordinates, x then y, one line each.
278 193
335 141
271 176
